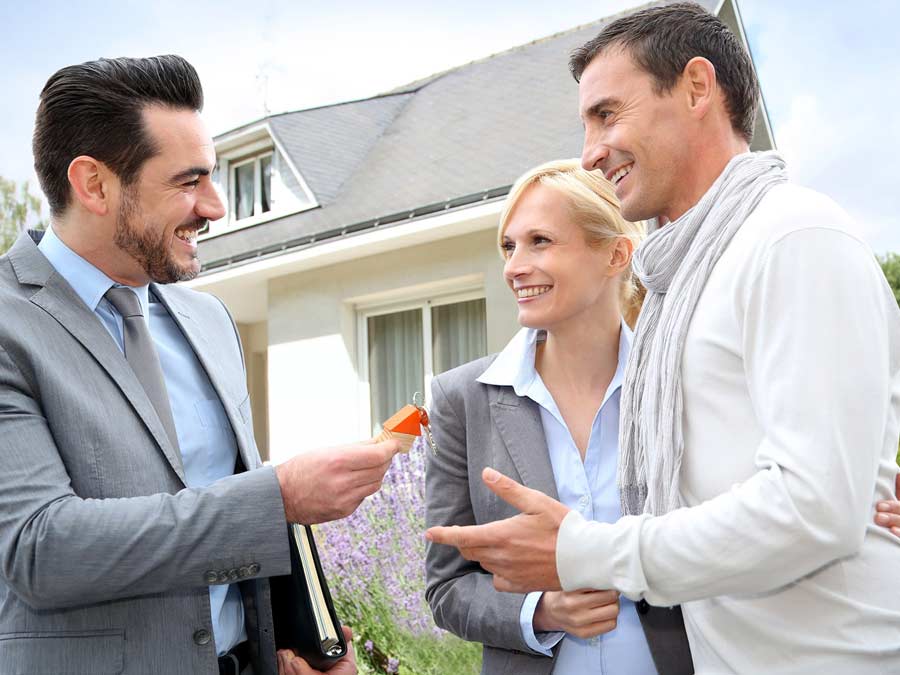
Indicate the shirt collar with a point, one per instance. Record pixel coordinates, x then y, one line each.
514 366
88 282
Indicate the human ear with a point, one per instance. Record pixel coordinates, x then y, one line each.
699 83
91 182
620 254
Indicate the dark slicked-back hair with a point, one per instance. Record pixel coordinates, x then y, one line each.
662 40
95 109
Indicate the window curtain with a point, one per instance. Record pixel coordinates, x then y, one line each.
265 166
458 334
243 191
396 362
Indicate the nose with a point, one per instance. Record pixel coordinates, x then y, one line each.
594 151
516 264
209 205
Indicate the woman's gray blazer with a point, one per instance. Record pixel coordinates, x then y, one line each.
477 425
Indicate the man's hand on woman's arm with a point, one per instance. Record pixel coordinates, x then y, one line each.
888 513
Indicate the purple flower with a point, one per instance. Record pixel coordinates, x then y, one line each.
392 665
369 646
375 558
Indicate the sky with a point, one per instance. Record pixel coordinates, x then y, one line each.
829 70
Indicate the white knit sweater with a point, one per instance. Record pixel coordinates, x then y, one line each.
792 413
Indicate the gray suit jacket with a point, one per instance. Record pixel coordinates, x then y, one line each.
477 425
105 555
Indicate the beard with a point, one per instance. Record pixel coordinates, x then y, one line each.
150 248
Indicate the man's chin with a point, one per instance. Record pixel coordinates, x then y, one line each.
175 273
634 210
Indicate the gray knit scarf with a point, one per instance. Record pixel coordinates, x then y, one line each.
674 264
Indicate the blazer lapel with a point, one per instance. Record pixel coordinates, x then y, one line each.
57 298
183 318
519 422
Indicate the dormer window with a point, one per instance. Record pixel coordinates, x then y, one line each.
257 180
251 186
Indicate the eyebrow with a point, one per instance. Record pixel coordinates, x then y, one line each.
189 173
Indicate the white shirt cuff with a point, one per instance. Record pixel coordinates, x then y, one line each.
546 641
601 555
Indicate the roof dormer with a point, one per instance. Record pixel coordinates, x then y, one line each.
257 180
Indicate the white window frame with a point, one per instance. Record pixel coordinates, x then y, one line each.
258 214
236 147
425 305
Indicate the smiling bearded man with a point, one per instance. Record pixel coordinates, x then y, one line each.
138 525
761 402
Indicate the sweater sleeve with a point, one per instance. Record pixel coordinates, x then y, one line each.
818 335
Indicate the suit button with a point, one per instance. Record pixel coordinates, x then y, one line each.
642 607
202 637
254 568
233 575
244 572
210 577
223 577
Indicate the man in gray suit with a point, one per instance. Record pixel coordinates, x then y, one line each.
137 525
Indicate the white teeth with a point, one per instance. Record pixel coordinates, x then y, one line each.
187 235
532 291
621 173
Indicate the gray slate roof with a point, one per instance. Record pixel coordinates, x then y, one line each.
457 135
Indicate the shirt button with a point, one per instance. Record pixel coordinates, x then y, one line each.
594 641
584 501
202 637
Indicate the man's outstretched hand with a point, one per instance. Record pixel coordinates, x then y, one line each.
324 485
520 551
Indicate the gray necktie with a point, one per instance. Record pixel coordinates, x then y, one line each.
140 352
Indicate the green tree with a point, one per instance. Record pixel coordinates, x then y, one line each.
16 205
890 263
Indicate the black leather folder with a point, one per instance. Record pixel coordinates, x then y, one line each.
302 609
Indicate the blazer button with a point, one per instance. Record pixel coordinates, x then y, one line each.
223 577
202 637
233 575
244 572
642 607
254 568
210 577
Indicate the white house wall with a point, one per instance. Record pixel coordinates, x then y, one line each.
314 387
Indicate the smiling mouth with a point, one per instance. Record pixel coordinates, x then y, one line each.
531 291
621 173
188 233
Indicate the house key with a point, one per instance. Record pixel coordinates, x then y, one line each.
423 420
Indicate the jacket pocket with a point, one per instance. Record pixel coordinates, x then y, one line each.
100 652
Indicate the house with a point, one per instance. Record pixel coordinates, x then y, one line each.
359 252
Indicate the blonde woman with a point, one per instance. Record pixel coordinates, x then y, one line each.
545 411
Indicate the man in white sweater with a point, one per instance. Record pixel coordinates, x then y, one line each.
761 421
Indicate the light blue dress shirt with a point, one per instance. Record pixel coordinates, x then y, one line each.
208 447
588 486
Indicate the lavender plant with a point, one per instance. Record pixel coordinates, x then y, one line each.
375 563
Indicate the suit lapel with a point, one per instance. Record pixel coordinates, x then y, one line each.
60 301
183 317
519 422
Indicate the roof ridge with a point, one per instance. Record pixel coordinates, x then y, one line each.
415 85
266 118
